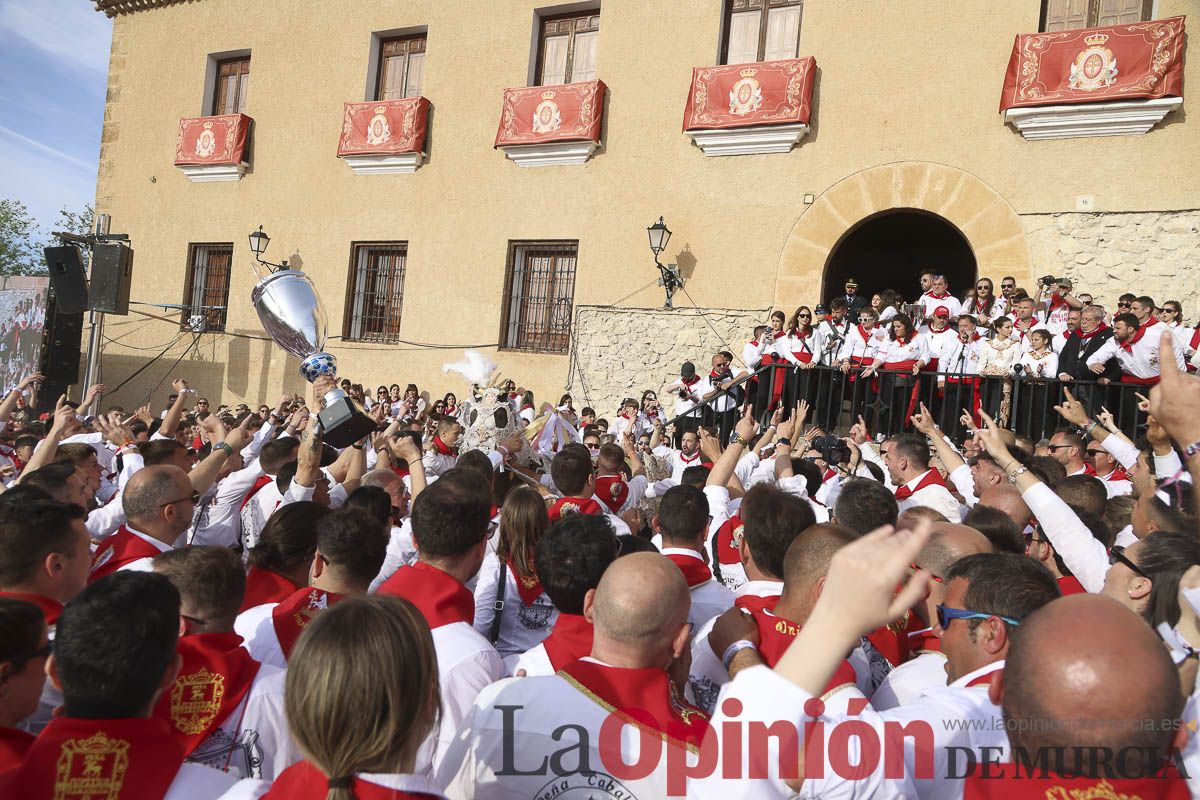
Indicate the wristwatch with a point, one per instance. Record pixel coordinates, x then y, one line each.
223 446
737 438
1191 450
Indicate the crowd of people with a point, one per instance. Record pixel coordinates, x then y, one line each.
495 599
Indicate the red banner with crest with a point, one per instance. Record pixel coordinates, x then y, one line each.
538 114
212 140
384 127
1121 62
743 95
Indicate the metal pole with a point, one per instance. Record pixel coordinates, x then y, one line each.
91 371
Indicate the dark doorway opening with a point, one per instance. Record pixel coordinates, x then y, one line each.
889 250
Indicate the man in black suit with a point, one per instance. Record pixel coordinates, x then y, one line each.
1072 361
854 303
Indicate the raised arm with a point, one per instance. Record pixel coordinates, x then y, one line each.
404 448
224 445
45 453
9 404
171 421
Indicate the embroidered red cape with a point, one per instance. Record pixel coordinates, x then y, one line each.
613 491
14 744
930 478
573 505
121 548
266 586
1007 782
570 640
645 698
115 759
530 589
440 597
303 781
775 635
728 537
216 675
292 616
50 608
259 482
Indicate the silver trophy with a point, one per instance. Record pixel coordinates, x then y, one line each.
292 315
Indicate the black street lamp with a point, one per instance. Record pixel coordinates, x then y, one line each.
669 278
258 245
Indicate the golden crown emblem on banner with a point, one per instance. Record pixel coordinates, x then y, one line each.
207 125
748 73
547 95
1096 39
380 109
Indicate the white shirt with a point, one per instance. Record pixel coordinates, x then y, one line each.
677 461
256 626
144 564
752 352
907 682
894 350
834 335
522 627
868 349
793 348
709 599
401 552
1044 365
932 304
934 496
467 663
257 510
961 358
707 674
218 522
522 734
1142 359
939 343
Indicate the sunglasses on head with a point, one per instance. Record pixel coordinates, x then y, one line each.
946 615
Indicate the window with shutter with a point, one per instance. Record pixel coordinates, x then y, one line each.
1061 15
401 67
567 48
206 290
539 296
232 86
761 30
375 292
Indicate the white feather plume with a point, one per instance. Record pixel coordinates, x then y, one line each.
477 368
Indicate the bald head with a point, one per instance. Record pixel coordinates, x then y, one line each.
150 489
948 543
805 563
641 603
1074 650
1007 498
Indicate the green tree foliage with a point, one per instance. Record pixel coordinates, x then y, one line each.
19 250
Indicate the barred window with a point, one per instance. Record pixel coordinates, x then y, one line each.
539 291
1060 15
761 30
206 292
375 293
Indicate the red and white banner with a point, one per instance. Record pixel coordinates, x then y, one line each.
384 127
742 95
1121 62
538 114
212 140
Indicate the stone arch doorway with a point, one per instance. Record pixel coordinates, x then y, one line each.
982 217
888 251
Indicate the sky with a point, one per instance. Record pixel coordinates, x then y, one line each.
53 79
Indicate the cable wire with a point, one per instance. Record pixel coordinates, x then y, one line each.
710 325
145 366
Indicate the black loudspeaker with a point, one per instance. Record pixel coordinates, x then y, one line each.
67 278
61 342
112 270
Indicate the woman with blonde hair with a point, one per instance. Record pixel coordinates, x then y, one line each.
509 576
361 697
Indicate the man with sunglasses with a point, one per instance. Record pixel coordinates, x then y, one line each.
158 502
1115 479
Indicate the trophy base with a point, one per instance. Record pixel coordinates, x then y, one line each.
343 422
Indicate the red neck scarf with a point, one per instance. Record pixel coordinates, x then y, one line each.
1117 474
441 447
570 640
1068 584
906 340
930 478
694 570
941 296
1057 301
439 596
983 680
891 640
259 482
530 589
778 335
690 382
303 781
265 586
121 548
754 603
292 616
14 744
1137 337
729 536
776 634
1085 336
864 333
115 759
977 307
216 675
50 608
565 506
613 491
635 694
1009 782
1195 343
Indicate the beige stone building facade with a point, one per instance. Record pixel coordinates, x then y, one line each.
905 162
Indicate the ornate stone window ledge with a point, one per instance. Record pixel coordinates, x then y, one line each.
1122 118
209 173
551 154
395 164
757 140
